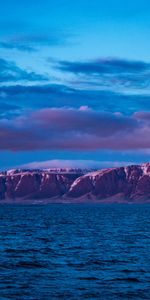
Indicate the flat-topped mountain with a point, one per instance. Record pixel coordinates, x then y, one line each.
123 184
36 184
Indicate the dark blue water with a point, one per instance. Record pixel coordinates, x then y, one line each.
74 252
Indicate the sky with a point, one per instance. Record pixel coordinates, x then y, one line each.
74 83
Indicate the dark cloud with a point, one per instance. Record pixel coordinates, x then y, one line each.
10 72
71 129
54 95
104 66
110 72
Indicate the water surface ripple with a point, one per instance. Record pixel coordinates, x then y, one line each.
74 252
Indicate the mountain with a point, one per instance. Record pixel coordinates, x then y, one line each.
36 184
131 183
123 184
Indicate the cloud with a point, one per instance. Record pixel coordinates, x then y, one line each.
72 129
8 110
143 115
32 42
109 72
21 47
84 108
104 66
57 95
83 164
7 107
10 72
86 121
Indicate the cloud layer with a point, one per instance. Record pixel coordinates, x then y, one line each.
74 117
72 129
57 95
109 72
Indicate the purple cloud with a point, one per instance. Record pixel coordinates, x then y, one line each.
72 129
143 115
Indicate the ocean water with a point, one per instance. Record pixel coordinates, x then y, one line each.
74 252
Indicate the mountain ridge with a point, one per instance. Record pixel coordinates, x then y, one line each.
129 184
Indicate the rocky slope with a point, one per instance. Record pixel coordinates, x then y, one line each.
124 184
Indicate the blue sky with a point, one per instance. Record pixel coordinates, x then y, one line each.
74 63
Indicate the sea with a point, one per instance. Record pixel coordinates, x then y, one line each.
74 251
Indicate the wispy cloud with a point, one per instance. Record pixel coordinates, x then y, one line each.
19 46
33 42
105 66
10 72
83 164
109 72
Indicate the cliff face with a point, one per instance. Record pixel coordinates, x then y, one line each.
35 184
130 183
